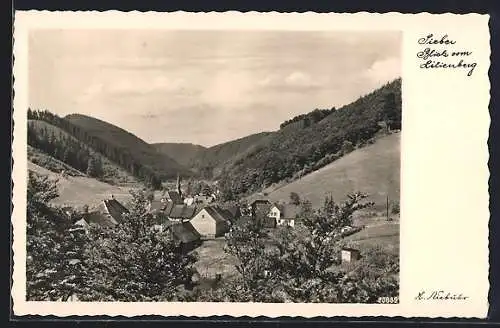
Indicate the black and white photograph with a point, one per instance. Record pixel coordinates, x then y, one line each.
213 166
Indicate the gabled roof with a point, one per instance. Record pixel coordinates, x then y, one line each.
169 205
349 249
182 211
108 207
218 214
184 232
81 222
260 201
289 211
174 196
100 219
234 211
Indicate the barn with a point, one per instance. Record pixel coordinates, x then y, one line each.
211 222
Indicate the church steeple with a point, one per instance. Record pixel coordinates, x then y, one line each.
179 185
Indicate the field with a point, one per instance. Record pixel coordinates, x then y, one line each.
377 232
213 260
79 191
373 169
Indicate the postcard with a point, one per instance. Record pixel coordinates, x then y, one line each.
250 164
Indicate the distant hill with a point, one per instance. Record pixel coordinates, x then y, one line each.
69 154
183 153
374 169
140 152
298 149
209 161
227 153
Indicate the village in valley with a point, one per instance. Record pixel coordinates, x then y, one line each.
200 222
173 185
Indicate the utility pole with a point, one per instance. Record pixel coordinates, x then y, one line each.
387 207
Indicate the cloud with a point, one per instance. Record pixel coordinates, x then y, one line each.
300 80
385 70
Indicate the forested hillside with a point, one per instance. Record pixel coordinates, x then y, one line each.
139 156
184 153
211 161
290 153
207 161
122 148
305 120
57 150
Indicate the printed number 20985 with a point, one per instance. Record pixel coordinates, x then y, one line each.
388 300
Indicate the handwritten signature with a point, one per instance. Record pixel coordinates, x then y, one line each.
440 295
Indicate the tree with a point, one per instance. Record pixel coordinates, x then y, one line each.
92 170
294 198
152 267
301 264
55 267
347 147
395 208
392 112
246 242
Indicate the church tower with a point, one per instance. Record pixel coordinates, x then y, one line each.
179 185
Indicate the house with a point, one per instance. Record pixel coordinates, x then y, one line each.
285 214
180 213
211 222
82 223
349 255
108 213
186 235
259 206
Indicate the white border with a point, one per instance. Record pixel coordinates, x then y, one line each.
444 207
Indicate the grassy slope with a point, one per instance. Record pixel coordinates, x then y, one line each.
373 169
385 234
143 152
287 151
42 159
79 191
113 173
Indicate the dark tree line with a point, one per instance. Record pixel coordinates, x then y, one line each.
119 155
65 149
305 120
291 153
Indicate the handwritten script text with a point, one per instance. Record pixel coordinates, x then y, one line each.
438 54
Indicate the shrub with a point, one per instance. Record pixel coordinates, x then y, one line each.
395 208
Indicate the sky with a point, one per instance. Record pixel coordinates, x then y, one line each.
205 87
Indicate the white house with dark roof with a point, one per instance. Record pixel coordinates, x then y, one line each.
211 222
285 214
